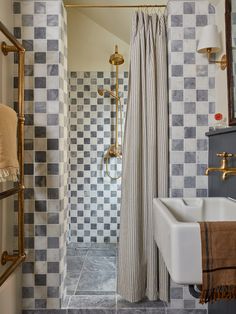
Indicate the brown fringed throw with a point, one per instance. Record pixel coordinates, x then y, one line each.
218 260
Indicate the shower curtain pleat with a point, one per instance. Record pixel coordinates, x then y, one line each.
141 272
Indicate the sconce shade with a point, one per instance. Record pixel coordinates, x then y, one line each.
209 40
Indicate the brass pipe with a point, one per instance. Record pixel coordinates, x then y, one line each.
8 258
12 38
230 172
117 102
16 259
11 269
107 170
7 48
223 166
21 120
10 192
113 6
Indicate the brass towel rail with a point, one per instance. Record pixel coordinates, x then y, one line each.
16 259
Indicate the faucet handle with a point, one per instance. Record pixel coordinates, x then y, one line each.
225 155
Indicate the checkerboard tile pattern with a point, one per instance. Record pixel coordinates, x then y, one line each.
94 199
192 105
41 25
192 98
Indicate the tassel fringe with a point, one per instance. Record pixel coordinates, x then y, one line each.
9 174
218 293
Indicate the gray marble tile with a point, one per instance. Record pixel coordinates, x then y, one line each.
155 311
102 252
84 292
123 304
185 311
75 263
91 302
78 245
141 311
189 304
97 281
92 311
177 293
71 283
100 263
77 251
44 312
104 245
65 301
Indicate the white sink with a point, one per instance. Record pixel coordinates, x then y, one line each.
177 232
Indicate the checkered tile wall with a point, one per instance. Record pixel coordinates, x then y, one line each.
41 26
94 199
192 105
192 98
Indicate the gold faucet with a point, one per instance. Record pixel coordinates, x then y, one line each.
223 165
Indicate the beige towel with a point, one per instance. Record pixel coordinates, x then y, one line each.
218 260
9 166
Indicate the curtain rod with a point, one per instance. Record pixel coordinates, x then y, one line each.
114 6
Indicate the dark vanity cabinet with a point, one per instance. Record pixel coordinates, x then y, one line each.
222 140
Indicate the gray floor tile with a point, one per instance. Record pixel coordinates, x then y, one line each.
71 288
75 263
185 311
141 311
102 252
78 245
97 281
95 292
121 303
44 312
91 302
92 311
100 263
107 246
65 301
155 311
76 252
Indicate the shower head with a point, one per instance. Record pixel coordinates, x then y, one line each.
101 91
116 58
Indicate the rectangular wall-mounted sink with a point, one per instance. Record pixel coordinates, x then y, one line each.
177 232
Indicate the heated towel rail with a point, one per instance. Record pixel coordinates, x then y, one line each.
16 259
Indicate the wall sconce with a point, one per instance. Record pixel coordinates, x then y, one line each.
209 43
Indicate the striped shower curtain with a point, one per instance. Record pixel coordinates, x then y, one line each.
141 270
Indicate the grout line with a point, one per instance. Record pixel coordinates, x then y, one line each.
82 268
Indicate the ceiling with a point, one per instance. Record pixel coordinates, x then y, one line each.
116 21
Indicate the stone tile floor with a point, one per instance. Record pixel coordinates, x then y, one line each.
91 284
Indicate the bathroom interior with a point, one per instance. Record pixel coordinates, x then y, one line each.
125 155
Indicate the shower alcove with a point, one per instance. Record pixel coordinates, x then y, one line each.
94 198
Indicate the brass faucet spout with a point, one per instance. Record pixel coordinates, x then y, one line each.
213 169
229 172
223 166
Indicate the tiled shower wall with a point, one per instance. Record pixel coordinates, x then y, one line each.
192 105
94 198
41 26
192 96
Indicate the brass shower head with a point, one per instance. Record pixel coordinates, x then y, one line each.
101 91
116 58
